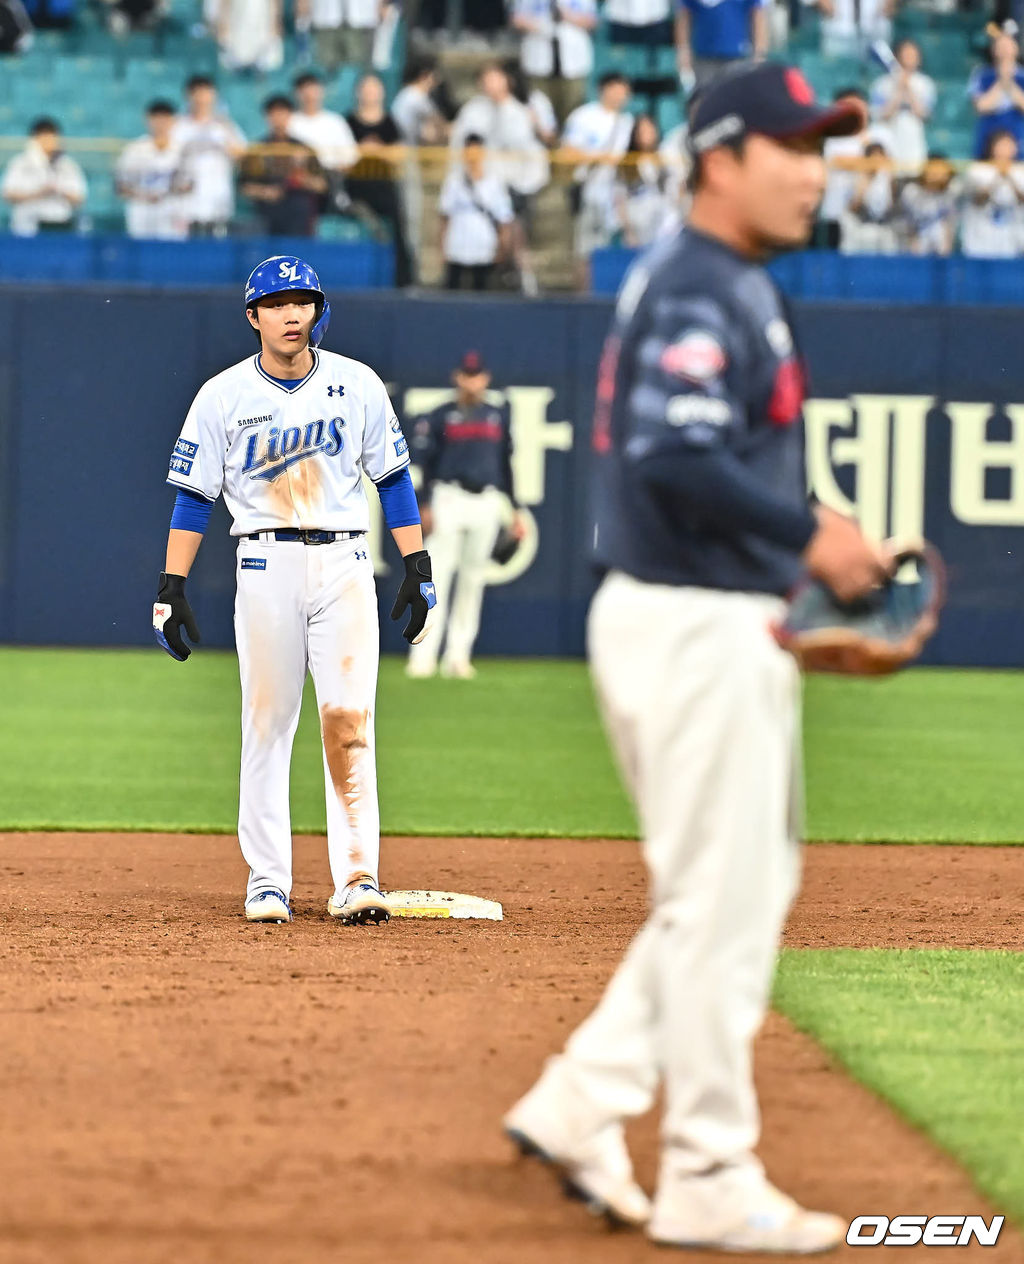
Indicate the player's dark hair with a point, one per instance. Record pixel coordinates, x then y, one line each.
902 43
696 177
43 125
852 91
307 76
610 77
278 102
160 107
473 138
198 81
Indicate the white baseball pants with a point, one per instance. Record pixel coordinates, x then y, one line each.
465 528
702 708
302 606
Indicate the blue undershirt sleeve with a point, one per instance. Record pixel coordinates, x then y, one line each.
398 499
191 512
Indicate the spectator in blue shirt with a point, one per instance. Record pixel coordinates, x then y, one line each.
998 95
711 34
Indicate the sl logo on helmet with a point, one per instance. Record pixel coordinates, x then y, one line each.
288 271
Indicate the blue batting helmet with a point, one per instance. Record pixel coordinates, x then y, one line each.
287 272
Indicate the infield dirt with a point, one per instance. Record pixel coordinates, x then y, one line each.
177 1085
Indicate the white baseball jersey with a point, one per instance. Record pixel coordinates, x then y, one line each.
290 458
208 166
992 229
149 179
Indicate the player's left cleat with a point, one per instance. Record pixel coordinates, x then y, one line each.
358 904
268 906
597 1172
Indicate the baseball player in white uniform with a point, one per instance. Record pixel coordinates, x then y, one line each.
286 436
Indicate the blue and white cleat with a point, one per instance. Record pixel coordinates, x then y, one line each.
268 906
359 903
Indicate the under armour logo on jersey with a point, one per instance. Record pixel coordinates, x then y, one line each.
288 272
339 389
360 555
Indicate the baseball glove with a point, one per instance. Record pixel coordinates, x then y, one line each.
505 546
876 634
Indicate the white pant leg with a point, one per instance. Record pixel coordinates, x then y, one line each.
702 706
270 634
444 544
344 648
481 517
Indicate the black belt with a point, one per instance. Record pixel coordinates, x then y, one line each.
296 536
475 488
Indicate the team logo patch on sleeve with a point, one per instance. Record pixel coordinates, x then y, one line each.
182 457
697 357
401 447
254 563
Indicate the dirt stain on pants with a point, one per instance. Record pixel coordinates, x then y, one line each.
344 733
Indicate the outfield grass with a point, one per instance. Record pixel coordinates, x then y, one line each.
127 739
935 1033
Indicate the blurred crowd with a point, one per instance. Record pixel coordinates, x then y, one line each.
527 142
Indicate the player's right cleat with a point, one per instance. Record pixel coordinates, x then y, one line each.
597 1172
739 1211
268 906
359 904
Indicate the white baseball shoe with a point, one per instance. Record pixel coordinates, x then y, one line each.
458 670
268 906
597 1172
420 671
739 1210
358 904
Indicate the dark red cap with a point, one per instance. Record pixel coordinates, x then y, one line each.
769 99
472 363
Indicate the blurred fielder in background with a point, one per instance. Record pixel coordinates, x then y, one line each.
702 524
464 453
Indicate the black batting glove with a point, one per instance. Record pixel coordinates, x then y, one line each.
416 595
171 612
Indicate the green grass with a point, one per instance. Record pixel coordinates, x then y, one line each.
928 756
127 739
935 1033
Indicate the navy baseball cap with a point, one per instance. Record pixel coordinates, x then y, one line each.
769 99
471 364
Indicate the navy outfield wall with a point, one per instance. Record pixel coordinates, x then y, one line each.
916 422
